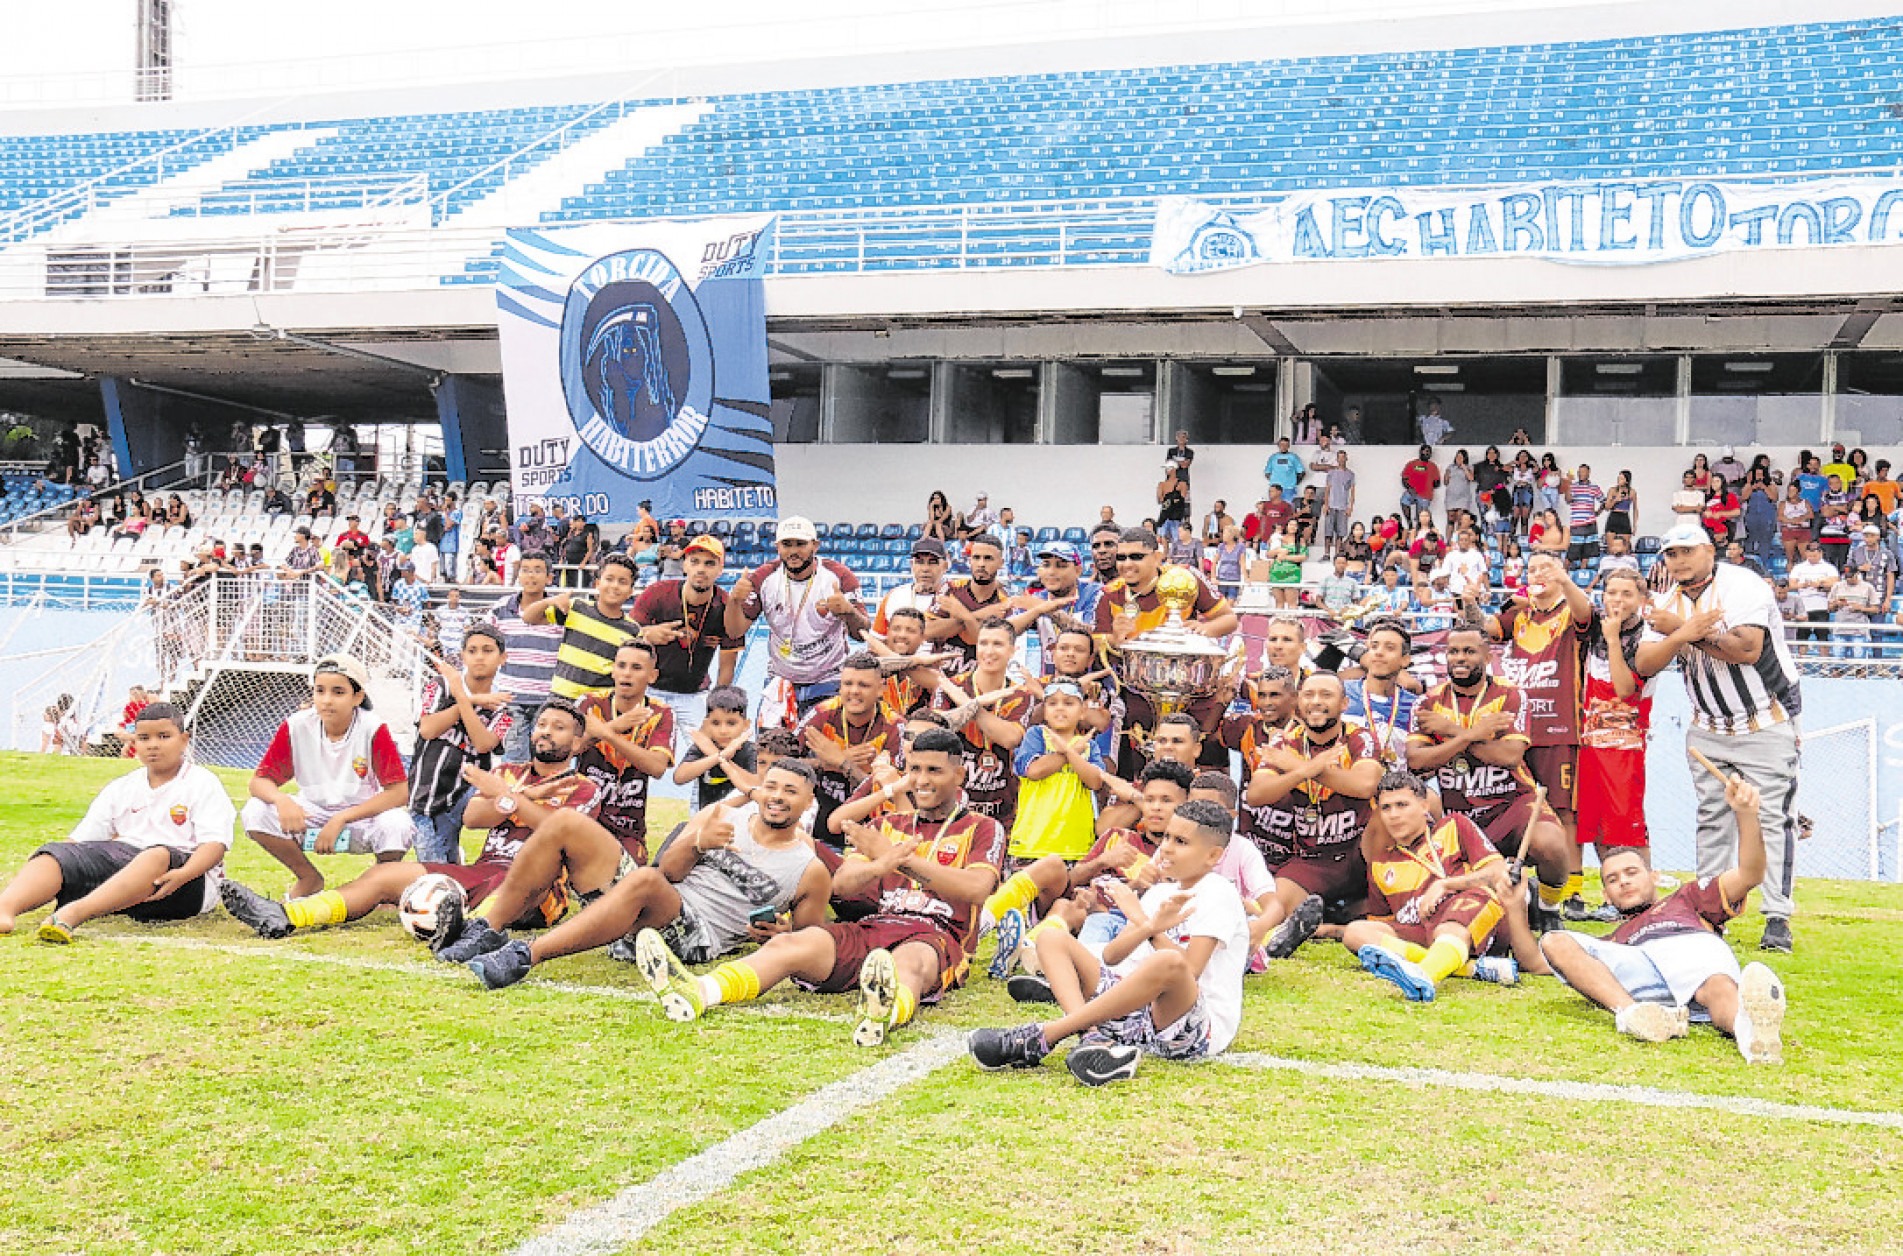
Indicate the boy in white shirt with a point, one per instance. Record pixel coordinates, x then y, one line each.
1170 983
353 792
152 845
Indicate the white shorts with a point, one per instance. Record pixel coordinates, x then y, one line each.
1666 970
382 834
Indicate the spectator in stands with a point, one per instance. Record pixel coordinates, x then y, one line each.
1840 466
276 501
482 564
507 556
1227 562
233 475
1811 582
1551 485
1465 565
83 519
980 518
1585 502
408 598
177 513
97 476
1548 535
1722 510
532 535
1834 530
1308 513
1618 557
1284 469
1701 472
1180 455
1854 604
1729 467
1812 483
352 534
304 557
1425 552
136 520
319 500
1217 522
387 558
1880 486
578 551
1305 425
1794 521
1267 521
1339 589
1356 550
1341 500
490 519
1420 479
1434 425
1490 474
1759 514
452 541
1735 555
1877 558
940 523
1524 476
1459 482
426 559
1286 557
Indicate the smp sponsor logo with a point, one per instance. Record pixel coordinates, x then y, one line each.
1530 674
637 363
1330 828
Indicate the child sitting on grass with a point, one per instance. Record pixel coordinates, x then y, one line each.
151 845
1169 984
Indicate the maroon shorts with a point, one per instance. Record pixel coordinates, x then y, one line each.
1610 800
853 942
1475 911
1554 767
479 880
1504 825
1343 880
847 907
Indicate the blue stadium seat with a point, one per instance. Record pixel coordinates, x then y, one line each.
1044 535
892 532
867 531
914 532
1076 536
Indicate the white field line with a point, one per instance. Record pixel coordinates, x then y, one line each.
630 1215
1578 1092
439 971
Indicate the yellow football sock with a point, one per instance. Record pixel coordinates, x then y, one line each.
326 908
1406 950
1551 895
1049 922
1442 959
1014 895
1575 884
736 983
905 1007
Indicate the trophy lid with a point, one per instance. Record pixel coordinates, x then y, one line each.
1176 589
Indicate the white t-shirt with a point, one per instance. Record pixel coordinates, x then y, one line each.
1217 913
188 811
805 645
428 560
1465 569
1807 572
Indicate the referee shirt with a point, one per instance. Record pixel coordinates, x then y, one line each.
1735 698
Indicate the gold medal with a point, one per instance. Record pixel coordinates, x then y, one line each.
1313 815
1462 767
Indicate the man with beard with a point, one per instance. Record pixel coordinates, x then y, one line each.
1130 607
812 618
1103 552
928 584
1271 826
547 786
996 727
931 868
969 601
1546 636
685 620
1470 732
707 891
1326 771
1667 962
847 732
1380 698
911 690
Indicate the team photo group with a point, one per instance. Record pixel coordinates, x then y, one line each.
990 767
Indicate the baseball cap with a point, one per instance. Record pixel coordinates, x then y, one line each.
1058 549
797 528
983 496
706 542
1871 529
928 546
350 668
1684 536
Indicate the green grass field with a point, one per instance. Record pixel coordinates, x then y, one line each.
190 1089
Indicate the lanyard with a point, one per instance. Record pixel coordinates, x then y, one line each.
1435 866
1384 736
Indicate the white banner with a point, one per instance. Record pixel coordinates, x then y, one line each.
1612 222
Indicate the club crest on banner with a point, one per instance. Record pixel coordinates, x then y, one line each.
637 363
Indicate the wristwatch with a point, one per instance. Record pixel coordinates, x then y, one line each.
505 804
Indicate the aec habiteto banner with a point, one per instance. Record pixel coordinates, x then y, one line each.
634 367
1606 223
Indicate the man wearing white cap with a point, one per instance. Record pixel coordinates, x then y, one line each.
1724 626
1878 560
812 613
981 518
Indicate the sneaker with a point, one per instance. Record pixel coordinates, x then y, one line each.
1605 914
265 918
1010 935
1575 909
1286 938
1759 1028
55 930
1100 1063
878 999
1652 1022
1404 973
993 1049
1541 918
449 925
1777 935
621 950
477 938
677 989
503 967
1501 970
1029 988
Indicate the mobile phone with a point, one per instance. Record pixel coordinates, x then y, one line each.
763 915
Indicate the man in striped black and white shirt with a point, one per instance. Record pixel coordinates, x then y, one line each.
1723 624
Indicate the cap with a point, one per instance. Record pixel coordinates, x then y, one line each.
707 543
797 528
1871 529
929 547
1058 549
1684 536
350 668
983 496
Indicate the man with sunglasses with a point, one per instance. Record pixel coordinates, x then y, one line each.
812 612
1130 606
928 583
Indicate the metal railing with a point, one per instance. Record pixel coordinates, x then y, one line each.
10 530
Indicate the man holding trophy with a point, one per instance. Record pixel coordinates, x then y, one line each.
1161 624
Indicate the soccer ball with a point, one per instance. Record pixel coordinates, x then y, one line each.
431 902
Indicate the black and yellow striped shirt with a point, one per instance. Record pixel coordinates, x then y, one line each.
585 658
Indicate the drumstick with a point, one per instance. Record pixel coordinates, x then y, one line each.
1517 868
1707 764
